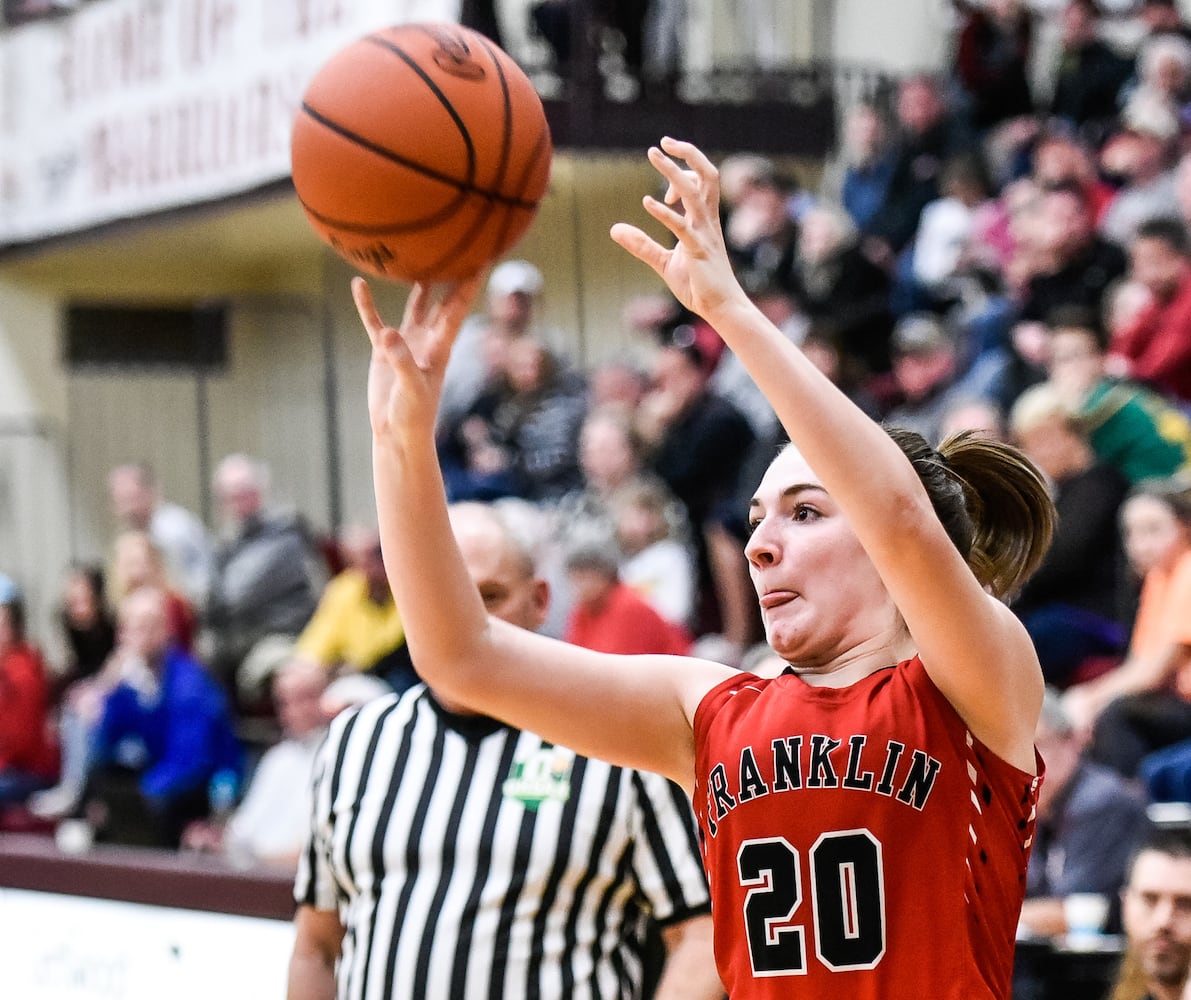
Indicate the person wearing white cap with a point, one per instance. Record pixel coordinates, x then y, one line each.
513 292
513 277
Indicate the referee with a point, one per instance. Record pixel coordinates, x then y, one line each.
453 857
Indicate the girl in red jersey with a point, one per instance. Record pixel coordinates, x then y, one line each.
866 815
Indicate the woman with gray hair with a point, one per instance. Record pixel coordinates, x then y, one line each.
1072 607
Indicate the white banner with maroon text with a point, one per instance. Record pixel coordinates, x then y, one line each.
129 107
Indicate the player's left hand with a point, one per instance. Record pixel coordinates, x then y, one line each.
406 372
697 269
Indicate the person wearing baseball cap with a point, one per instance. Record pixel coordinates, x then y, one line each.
514 291
515 277
925 360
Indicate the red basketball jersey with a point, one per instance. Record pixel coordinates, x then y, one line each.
859 841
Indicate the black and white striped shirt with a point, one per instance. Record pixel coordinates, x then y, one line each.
470 860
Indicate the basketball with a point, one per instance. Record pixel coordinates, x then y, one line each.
421 152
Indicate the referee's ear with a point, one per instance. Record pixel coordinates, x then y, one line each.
541 602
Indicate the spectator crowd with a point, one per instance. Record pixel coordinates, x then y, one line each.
980 257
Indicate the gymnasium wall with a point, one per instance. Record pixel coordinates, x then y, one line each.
35 496
292 391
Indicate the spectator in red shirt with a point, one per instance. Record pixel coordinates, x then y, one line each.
1156 348
608 615
28 755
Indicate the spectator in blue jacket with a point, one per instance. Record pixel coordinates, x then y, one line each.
166 731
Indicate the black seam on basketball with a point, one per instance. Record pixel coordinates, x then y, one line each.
387 154
497 241
480 223
390 228
506 140
381 151
541 147
401 54
499 238
465 240
531 162
433 271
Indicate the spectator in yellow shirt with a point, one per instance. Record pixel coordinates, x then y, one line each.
356 626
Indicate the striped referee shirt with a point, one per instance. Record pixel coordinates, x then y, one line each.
469 860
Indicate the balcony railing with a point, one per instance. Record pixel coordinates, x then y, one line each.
716 82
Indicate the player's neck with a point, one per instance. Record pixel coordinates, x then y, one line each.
858 662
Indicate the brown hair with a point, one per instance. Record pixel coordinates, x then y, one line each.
122 587
992 502
1132 982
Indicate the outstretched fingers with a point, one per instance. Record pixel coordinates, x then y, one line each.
683 184
677 222
696 269
417 307
691 154
387 343
449 313
641 246
696 183
459 300
366 307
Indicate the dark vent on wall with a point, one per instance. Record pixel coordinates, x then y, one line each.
152 338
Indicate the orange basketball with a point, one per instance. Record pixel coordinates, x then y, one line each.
421 152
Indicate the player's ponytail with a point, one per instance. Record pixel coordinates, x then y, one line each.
991 500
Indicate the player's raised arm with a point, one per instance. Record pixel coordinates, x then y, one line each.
629 710
973 647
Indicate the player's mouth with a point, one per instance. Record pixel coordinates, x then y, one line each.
776 598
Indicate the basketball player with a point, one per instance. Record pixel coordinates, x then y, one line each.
453 856
866 814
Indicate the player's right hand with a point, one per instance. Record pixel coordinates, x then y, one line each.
406 371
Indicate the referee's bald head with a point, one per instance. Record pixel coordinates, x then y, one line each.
501 563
